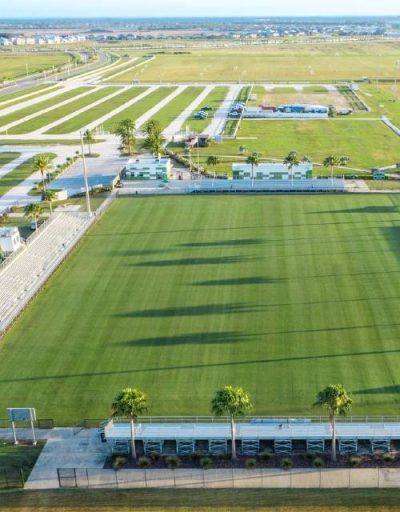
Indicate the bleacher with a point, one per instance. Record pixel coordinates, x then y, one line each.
25 274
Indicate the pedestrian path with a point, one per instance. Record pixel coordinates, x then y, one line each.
216 127
7 168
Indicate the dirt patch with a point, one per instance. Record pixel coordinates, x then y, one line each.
334 98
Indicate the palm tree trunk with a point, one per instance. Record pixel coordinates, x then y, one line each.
133 447
51 207
35 219
233 437
90 148
43 183
333 423
332 172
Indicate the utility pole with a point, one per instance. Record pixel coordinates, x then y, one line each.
85 178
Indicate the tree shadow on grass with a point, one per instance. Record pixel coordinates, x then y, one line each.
198 338
226 243
378 391
365 209
220 260
392 235
202 310
238 281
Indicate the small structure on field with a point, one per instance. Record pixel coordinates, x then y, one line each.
147 168
268 171
10 239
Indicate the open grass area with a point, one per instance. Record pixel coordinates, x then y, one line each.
384 185
368 143
58 113
91 115
41 105
16 463
138 109
181 295
15 65
8 100
313 62
202 500
176 106
20 173
7 157
41 142
383 99
312 96
214 100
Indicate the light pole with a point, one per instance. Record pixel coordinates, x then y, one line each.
85 178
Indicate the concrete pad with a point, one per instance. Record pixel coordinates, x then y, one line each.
361 478
247 478
335 478
389 478
218 479
160 478
131 478
275 478
305 478
189 478
102 478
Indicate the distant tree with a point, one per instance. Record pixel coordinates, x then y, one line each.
291 160
213 160
88 138
242 149
306 159
337 401
253 160
333 161
126 132
154 139
49 196
41 163
233 402
33 211
130 403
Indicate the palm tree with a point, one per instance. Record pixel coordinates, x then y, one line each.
126 132
253 160
344 160
331 161
337 401
213 160
154 139
234 402
88 139
41 164
129 403
33 211
291 161
242 149
49 196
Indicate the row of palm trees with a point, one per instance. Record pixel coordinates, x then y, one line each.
233 402
153 142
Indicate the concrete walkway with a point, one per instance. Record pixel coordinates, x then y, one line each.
150 113
80 111
217 124
177 124
23 97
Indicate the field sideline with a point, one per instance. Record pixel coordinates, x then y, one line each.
179 296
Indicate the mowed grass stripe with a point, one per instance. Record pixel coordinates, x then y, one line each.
59 113
138 109
97 112
170 294
7 156
176 106
19 174
38 90
214 100
41 105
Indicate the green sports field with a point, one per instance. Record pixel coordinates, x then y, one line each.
180 295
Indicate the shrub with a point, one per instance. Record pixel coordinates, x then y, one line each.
195 456
155 457
250 463
118 462
388 457
265 456
144 462
286 464
173 461
206 463
355 461
310 456
318 462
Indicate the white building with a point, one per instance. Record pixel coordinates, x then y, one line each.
147 168
5 42
266 171
10 239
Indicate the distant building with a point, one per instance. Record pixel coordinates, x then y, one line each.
10 239
267 171
5 42
147 168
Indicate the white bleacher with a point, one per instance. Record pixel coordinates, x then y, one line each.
26 273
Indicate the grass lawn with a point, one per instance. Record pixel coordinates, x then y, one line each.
60 112
20 173
11 99
384 185
14 65
138 109
383 99
176 106
214 100
312 62
42 142
41 105
367 143
204 500
16 463
91 115
7 157
181 295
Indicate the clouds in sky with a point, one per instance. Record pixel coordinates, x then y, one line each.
135 8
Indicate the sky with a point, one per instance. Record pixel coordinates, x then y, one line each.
160 8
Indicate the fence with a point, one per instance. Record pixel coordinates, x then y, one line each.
12 478
349 478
